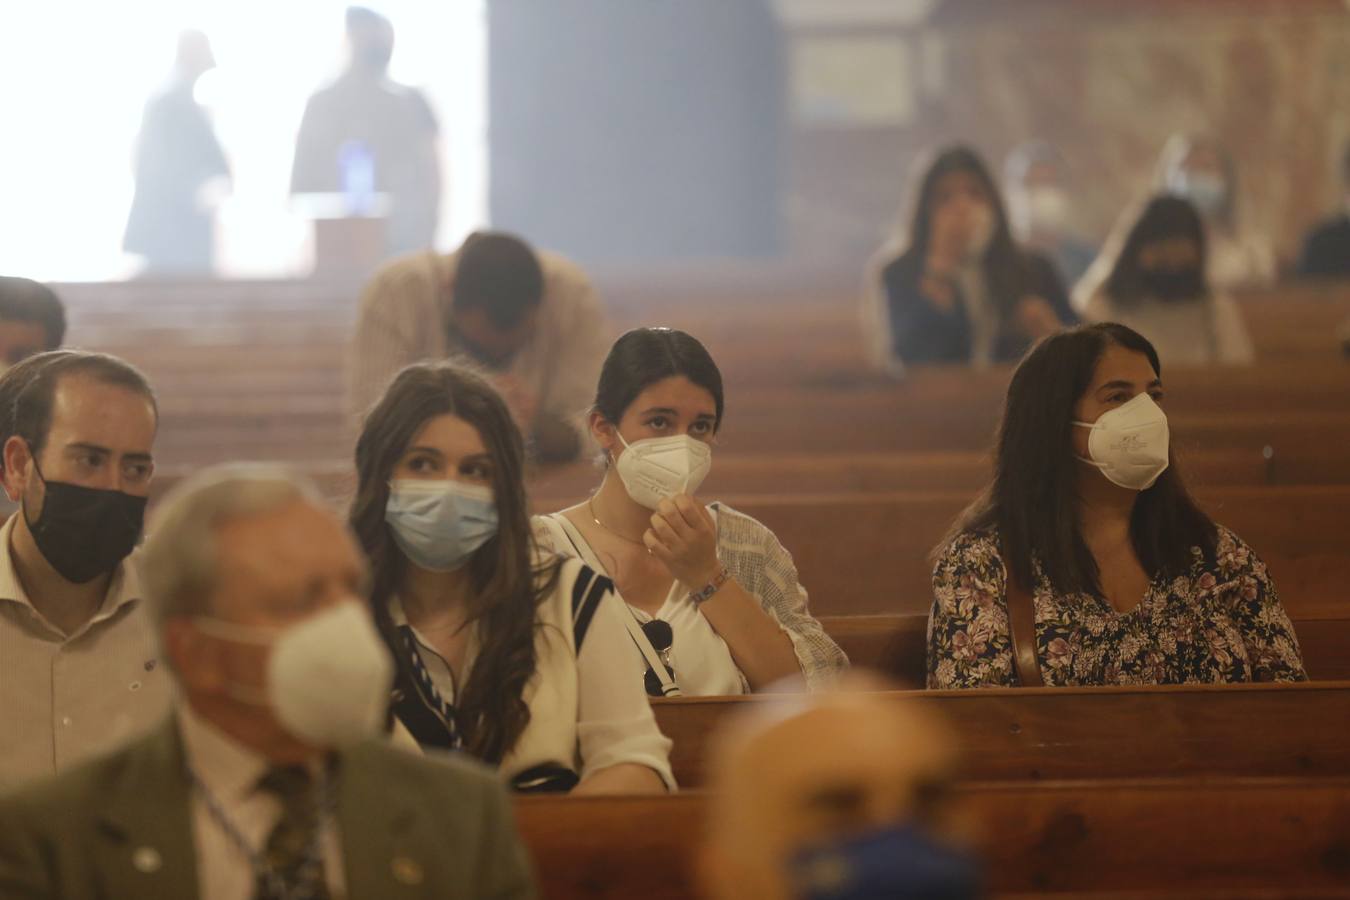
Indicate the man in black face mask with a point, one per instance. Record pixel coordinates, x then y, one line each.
81 672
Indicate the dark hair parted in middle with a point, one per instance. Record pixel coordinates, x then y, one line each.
1005 267
507 586
1166 217
644 356
1033 501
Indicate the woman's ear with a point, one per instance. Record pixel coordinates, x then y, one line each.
605 433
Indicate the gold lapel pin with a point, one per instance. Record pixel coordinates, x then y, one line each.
147 860
406 871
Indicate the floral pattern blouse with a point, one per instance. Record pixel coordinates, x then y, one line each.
1219 622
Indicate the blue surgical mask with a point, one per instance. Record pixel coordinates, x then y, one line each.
898 862
439 524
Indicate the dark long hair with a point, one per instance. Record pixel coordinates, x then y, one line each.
1005 267
1033 501
1166 216
644 356
507 586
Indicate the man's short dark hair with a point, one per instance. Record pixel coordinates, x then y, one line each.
499 274
28 391
25 300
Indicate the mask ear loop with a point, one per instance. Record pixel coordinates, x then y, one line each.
1083 459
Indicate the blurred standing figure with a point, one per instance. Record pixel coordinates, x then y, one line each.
1038 186
1199 169
1326 250
363 120
180 171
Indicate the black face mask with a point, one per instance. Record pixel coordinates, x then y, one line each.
85 532
1172 284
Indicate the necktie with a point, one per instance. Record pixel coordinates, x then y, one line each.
292 851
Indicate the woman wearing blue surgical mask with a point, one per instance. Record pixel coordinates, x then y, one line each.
1088 538
713 599
502 651
956 288
1159 288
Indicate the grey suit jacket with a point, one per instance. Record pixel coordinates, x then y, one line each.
120 827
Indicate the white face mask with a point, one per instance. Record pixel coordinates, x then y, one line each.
982 232
1206 190
1048 208
328 677
1129 443
653 469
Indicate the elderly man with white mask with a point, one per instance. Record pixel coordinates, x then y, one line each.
270 780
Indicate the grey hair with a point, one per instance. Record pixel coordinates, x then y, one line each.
178 561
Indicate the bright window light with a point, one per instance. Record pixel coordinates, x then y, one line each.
75 76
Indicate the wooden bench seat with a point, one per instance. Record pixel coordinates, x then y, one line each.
1205 839
898 645
1023 734
867 553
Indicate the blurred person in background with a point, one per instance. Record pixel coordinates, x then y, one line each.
32 320
867 814
1041 201
530 320
1326 250
957 289
365 132
181 172
1201 170
1159 288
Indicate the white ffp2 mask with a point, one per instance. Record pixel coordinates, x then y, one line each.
653 469
1129 443
328 676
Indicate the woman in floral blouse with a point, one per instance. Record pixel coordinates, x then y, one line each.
1132 582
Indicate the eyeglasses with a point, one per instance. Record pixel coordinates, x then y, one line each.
661 637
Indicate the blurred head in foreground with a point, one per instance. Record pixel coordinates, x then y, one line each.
842 794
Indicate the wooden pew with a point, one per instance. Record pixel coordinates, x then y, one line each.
826 472
556 487
898 645
1017 734
863 554
1208 838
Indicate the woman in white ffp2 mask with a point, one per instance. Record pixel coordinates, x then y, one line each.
501 652
1088 524
713 596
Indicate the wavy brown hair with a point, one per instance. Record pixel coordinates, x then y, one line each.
507 584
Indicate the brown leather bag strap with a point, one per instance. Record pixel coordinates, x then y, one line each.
1022 626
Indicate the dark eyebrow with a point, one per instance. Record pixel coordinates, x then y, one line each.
476 457
660 409
138 457
839 797
1126 385
701 416
92 448
432 450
